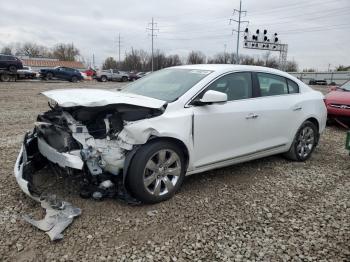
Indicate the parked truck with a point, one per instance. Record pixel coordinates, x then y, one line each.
111 75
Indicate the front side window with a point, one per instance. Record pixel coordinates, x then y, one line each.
167 84
237 86
272 85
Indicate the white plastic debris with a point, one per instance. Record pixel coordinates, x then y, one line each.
59 215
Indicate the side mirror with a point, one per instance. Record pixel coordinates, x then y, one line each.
212 96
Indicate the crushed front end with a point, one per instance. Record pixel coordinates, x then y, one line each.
79 139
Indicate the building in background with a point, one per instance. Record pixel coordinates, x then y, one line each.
38 63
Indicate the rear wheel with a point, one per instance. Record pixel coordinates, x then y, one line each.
304 142
49 76
12 69
156 172
5 78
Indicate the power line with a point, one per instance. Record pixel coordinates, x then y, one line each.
153 29
239 22
336 11
299 5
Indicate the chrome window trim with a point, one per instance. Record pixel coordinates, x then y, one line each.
187 104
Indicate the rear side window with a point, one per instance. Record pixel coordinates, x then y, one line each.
272 85
10 58
292 87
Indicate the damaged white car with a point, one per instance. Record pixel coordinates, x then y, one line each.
177 121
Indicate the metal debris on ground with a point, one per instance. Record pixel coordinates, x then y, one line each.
59 215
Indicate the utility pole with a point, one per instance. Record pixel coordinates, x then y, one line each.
152 28
239 22
93 61
119 44
225 47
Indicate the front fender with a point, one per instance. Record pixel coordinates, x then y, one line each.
176 127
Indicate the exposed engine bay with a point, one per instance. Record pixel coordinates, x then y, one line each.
81 139
87 139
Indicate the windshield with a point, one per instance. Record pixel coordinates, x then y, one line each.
167 84
346 86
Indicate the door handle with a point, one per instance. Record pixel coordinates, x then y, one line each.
298 108
252 116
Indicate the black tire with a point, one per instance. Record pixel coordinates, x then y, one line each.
104 79
124 79
137 173
298 146
5 78
13 69
49 76
74 79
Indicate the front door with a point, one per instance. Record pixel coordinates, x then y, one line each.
228 130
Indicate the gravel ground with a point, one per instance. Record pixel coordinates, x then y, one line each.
269 209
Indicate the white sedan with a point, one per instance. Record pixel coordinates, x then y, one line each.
175 122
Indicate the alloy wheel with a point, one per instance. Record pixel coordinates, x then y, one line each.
306 141
162 172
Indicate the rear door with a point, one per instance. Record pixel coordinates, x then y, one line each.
280 109
61 73
115 75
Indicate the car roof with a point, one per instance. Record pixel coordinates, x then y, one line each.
222 68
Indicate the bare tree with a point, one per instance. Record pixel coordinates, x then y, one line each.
196 57
159 60
29 49
342 68
132 61
110 63
144 59
266 57
291 66
65 52
172 60
221 58
6 50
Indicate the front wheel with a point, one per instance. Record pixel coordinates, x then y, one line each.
124 79
49 76
74 79
304 142
156 172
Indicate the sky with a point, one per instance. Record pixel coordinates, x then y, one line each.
317 31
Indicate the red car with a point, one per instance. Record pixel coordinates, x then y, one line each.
338 103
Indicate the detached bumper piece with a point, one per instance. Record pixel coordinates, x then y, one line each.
59 214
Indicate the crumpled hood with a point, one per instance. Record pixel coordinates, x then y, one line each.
99 97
